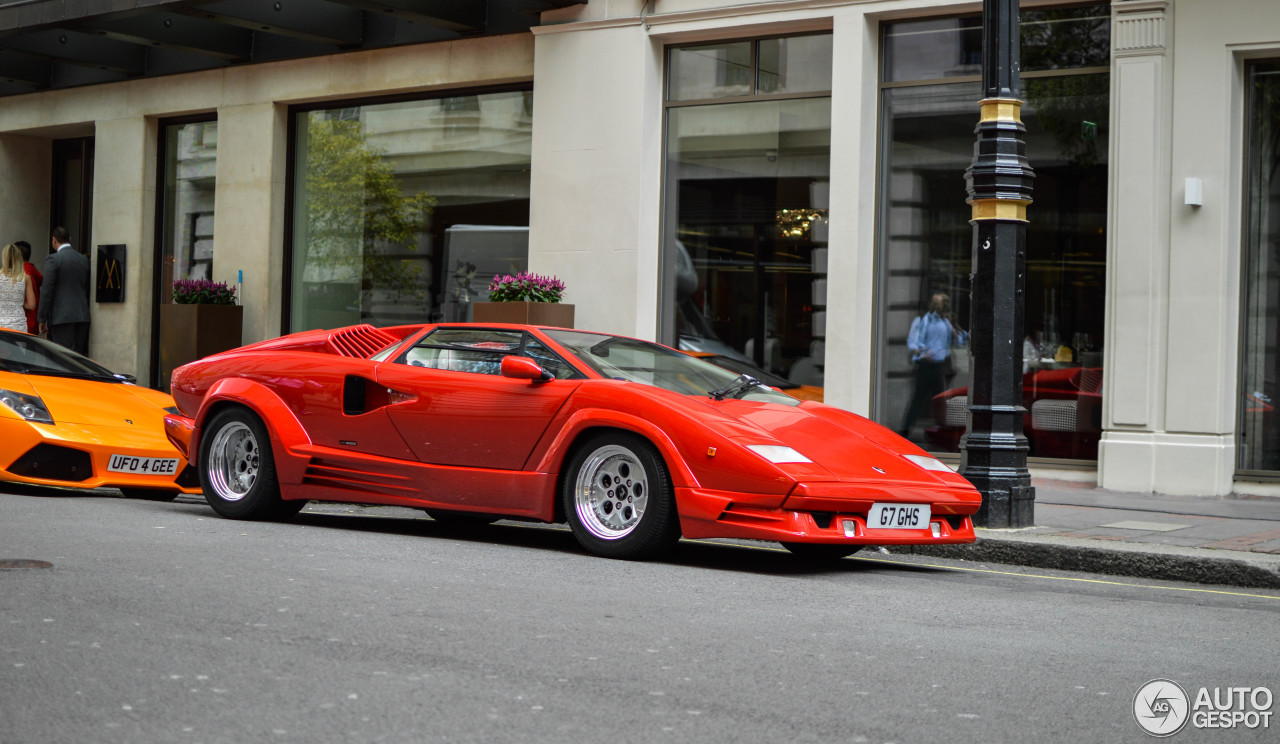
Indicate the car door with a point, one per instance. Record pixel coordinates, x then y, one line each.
460 410
338 405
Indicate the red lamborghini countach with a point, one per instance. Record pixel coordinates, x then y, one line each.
632 443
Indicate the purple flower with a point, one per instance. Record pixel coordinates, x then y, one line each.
525 287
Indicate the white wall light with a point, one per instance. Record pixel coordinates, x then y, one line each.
1194 195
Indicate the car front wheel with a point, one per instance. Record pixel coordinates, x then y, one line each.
237 470
618 498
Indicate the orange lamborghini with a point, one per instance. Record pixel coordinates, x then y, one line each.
66 420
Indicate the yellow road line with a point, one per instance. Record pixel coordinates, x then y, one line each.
1069 578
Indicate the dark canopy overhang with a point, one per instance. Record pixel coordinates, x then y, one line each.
46 44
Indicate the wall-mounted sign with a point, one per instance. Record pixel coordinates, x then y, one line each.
110 273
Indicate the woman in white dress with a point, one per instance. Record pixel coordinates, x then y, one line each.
16 293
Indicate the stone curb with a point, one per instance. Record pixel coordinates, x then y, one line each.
1190 566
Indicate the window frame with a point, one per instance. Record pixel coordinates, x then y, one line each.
521 350
291 161
666 321
1247 257
879 262
157 248
668 103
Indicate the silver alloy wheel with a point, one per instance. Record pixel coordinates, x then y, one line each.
233 461
611 492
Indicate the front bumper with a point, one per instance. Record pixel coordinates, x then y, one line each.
75 455
825 520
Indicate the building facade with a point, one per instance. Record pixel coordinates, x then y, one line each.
780 183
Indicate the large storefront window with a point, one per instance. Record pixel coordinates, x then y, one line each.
403 212
1259 446
190 152
929 93
747 173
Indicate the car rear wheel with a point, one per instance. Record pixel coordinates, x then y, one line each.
618 498
816 552
237 470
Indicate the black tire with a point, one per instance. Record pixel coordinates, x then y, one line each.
820 553
237 469
150 494
461 519
618 499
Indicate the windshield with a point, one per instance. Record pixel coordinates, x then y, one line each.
652 364
32 355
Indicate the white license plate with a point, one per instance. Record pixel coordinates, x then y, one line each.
898 517
143 465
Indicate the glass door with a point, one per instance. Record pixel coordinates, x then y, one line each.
184 229
72 199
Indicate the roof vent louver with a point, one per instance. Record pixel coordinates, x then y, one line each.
361 342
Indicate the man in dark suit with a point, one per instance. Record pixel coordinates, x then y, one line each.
64 299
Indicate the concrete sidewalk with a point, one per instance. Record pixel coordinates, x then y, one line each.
1232 540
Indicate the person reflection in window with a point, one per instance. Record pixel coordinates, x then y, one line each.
929 342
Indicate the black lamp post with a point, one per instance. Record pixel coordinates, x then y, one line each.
994 448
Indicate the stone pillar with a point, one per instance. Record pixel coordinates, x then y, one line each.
26 167
248 212
851 248
124 207
596 169
1136 352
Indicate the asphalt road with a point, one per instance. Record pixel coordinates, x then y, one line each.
160 622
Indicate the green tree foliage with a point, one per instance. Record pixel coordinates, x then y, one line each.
356 212
1070 108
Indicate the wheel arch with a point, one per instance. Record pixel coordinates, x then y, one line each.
283 427
574 436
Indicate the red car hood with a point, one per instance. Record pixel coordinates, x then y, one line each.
843 445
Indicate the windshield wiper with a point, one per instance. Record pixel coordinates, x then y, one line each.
601 349
736 389
47 372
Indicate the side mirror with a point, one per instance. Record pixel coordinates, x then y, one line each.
524 368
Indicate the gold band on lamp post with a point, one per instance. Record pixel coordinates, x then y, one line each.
1001 109
999 209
